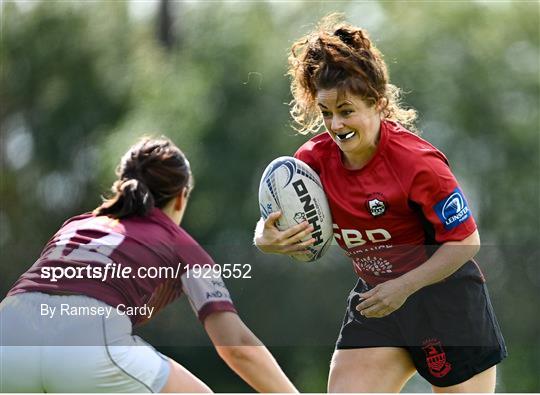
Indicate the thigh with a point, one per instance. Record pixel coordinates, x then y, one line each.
152 370
20 369
80 354
451 332
483 382
20 329
182 380
374 369
137 368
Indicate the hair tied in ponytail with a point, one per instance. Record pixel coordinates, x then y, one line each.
129 185
150 174
132 172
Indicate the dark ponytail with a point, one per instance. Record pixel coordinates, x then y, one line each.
150 174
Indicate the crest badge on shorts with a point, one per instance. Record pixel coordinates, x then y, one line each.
436 358
376 204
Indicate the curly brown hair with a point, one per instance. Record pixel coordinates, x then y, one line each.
339 55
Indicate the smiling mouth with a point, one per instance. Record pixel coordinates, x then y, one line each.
345 136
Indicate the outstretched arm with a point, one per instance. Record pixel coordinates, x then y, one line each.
245 354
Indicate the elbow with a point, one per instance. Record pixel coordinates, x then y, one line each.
236 355
468 247
243 349
474 250
474 244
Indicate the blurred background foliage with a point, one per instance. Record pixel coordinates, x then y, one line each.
81 81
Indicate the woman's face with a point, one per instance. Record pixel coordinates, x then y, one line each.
351 122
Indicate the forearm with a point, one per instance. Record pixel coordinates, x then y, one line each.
257 367
448 258
245 354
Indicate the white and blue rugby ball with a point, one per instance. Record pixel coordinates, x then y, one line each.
292 187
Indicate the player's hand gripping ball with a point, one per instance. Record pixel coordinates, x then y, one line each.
292 187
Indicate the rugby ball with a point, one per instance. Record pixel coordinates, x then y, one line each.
292 187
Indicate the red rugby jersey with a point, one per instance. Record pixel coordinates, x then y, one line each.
388 214
143 245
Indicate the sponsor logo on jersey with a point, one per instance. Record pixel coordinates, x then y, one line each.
373 265
452 210
436 358
353 238
376 204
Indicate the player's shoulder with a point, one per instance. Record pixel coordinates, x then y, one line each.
80 221
318 143
191 252
77 218
314 149
165 228
186 247
410 150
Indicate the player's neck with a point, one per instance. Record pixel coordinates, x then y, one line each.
357 158
357 161
174 214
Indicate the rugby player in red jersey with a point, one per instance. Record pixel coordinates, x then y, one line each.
420 303
66 325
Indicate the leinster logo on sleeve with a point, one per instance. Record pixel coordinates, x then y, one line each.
453 209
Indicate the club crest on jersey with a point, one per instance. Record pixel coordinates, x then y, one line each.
436 358
376 204
453 209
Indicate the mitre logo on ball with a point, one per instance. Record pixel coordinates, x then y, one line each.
376 204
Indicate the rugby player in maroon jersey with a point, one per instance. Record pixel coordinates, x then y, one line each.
89 283
420 303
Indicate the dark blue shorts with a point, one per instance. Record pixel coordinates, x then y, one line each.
449 328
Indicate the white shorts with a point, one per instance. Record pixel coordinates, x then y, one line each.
73 354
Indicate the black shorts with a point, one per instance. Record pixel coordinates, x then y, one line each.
449 328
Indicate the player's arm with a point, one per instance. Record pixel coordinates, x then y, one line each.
446 260
245 354
390 295
436 191
269 239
